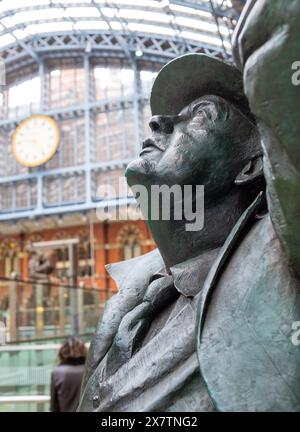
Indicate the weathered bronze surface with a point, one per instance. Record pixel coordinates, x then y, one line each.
143 356
240 272
251 297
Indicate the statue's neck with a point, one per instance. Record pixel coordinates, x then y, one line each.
176 244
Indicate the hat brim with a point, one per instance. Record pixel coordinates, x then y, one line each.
191 76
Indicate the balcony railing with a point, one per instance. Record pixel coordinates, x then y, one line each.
34 320
31 311
25 375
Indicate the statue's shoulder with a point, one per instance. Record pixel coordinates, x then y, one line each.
245 348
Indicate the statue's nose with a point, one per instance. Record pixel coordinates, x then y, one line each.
162 124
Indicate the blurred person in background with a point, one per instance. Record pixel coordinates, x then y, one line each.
67 375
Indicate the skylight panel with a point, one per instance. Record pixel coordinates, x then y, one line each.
20 34
140 3
189 10
196 24
144 15
116 25
49 27
201 25
6 40
109 12
91 25
60 2
210 40
6 5
145 28
78 12
8 21
33 15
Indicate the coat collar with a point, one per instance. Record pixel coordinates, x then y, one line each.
134 275
189 275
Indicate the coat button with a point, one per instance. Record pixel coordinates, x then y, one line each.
96 401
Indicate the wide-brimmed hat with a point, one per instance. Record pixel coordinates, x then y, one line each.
191 76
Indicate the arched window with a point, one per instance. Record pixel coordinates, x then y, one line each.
10 254
85 259
130 241
62 256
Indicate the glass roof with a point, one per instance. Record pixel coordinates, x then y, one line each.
188 20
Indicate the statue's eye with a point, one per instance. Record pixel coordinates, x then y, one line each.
199 111
206 112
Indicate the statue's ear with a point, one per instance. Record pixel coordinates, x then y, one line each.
251 172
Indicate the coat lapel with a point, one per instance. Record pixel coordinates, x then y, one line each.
220 262
132 278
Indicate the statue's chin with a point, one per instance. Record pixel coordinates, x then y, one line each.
136 172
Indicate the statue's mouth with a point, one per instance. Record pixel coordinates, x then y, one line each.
149 145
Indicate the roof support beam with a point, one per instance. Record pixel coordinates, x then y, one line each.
29 50
116 34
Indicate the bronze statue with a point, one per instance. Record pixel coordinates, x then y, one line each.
143 355
40 265
251 298
241 271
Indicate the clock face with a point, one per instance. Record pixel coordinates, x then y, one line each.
35 140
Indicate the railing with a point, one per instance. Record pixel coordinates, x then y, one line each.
25 403
25 374
37 311
35 318
24 399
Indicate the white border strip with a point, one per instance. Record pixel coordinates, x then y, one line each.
24 399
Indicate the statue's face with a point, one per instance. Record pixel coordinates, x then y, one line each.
198 146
